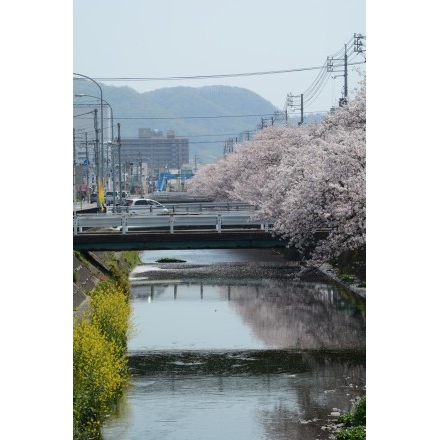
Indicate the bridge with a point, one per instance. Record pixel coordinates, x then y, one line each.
184 240
224 230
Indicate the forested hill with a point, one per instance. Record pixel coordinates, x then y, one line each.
208 116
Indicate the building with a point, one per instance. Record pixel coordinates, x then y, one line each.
158 151
142 159
145 158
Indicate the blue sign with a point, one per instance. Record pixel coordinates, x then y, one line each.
86 162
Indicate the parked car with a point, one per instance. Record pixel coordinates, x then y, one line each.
108 197
143 206
124 196
93 197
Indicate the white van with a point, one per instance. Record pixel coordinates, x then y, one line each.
108 197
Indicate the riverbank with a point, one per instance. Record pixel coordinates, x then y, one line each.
354 286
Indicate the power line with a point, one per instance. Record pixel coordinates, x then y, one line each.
200 117
226 75
82 114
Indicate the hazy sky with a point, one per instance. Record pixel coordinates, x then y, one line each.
39 55
175 38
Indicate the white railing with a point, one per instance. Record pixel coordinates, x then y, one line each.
125 222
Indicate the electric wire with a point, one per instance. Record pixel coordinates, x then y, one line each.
226 75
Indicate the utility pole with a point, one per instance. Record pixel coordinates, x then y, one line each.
102 133
74 175
357 45
98 202
140 172
119 159
345 76
195 163
289 104
88 168
330 67
247 134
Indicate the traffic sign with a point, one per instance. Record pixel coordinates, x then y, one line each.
86 162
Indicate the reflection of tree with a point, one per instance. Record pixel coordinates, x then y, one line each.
303 415
300 316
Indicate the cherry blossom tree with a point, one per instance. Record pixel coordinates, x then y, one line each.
310 179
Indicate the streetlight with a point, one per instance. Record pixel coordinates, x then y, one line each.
81 95
102 133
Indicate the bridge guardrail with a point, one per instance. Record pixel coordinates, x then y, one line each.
210 206
124 222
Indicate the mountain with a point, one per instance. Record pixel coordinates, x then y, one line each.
208 116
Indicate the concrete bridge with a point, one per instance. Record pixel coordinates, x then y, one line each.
157 240
195 225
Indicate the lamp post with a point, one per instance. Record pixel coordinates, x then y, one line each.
81 95
102 132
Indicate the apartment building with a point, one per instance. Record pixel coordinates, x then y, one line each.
159 152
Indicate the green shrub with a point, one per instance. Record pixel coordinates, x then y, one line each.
132 258
360 412
120 265
79 255
355 422
352 433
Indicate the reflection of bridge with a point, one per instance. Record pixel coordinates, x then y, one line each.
155 288
189 239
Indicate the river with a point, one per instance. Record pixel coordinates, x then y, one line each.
253 356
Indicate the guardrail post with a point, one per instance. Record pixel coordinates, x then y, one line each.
171 224
218 225
124 223
265 226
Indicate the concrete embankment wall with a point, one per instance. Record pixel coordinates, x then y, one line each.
88 275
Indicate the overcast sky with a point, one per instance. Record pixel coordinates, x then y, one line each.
175 38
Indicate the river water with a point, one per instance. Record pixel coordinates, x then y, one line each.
238 358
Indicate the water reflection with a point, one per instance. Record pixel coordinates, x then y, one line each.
165 402
239 358
272 314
